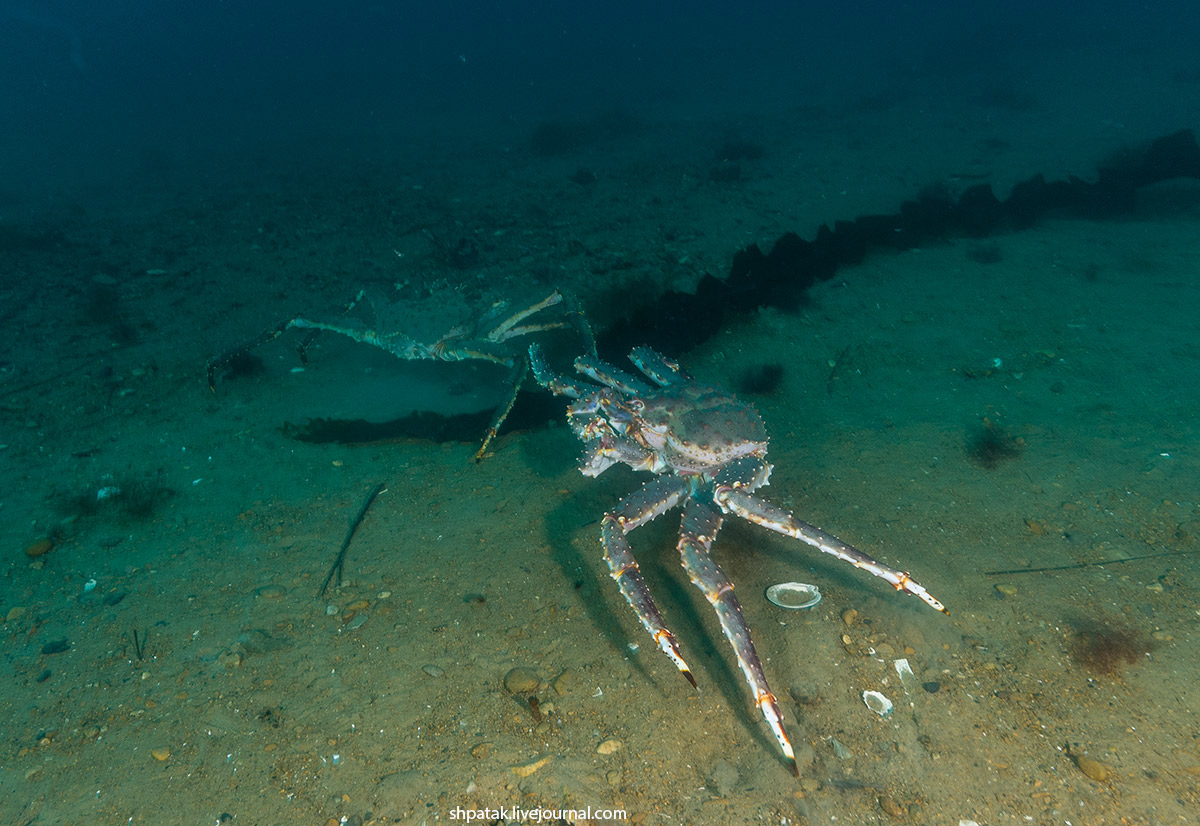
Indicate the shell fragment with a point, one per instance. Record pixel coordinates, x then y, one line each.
878 703
794 596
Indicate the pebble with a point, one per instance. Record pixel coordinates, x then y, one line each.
849 616
1093 768
161 753
526 769
891 806
521 680
434 670
563 682
14 613
272 592
39 547
56 647
609 746
1006 590
482 751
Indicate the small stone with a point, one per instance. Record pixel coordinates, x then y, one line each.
1093 768
272 592
14 613
609 746
482 751
434 670
526 769
933 686
161 753
358 605
564 682
1006 590
56 647
891 806
849 616
39 547
521 680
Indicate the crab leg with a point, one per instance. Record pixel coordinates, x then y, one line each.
516 378
662 370
759 511
656 497
505 329
696 534
552 381
610 376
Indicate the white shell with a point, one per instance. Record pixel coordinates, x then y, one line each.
878 703
795 596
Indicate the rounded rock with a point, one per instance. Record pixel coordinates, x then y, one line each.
39 547
521 680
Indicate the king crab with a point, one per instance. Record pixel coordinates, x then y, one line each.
439 326
707 450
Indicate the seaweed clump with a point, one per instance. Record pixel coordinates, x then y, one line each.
1106 648
991 444
130 498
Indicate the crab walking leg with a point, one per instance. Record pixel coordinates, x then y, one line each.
516 378
552 381
761 512
505 329
700 525
656 497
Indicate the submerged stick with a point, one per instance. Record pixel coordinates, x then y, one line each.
1079 565
338 563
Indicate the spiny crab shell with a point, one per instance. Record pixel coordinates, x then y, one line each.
697 428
